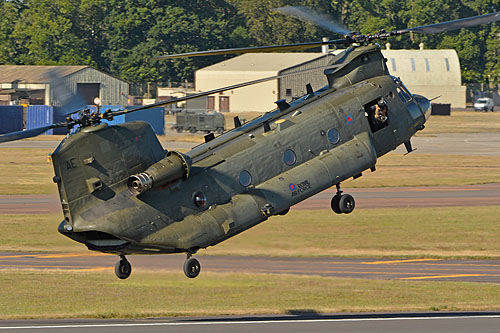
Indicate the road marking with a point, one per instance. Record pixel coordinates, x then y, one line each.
396 261
251 322
440 276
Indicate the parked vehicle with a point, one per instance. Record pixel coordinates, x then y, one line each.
484 104
199 121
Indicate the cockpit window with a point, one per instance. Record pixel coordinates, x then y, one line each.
405 97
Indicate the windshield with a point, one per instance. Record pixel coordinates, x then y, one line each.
482 100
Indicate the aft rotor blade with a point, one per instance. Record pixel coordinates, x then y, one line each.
68 102
311 16
453 25
255 49
111 114
28 133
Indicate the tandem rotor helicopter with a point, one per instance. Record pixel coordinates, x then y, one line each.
122 193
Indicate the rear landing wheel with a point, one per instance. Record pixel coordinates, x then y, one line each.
192 268
123 268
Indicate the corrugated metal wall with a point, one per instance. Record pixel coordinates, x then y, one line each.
43 115
113 91
11 118
297 83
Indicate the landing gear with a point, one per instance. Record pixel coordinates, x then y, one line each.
123 268
192 267
342 203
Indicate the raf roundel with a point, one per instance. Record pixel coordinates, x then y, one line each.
348 119
291 187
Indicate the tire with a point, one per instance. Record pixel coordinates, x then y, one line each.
219 130
346 203
179 129
192 130
192 268
123 269
335 204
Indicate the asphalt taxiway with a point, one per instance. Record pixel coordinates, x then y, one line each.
385 197
464 322
364 268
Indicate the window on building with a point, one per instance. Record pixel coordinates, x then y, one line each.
393 62
288 92
427 67
447 63
412 61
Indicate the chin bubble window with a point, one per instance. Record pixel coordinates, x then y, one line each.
289 157
333 136
199 199
245 178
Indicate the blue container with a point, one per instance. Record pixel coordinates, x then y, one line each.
44 115
11 118
155 117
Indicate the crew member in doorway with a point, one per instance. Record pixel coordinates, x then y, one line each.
380 111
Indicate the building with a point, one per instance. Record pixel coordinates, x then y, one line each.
54 85
427 72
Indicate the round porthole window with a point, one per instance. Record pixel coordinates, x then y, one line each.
333 136
289 157
245 178
199 199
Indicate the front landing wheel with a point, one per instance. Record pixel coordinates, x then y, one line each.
192 268
123 268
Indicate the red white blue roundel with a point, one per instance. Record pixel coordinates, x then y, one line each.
292 187
348 119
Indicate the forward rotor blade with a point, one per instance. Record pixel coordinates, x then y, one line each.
453 25
214 91
255 49
28 133
308 15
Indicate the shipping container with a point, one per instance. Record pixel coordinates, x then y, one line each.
155 117
44 115
11 118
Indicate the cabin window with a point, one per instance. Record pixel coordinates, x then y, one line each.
289 157
377 115
202 119
447 64
412 61
427 66
333 136
393 62
245 178
199 199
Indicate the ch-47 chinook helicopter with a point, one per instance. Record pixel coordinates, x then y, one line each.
122 193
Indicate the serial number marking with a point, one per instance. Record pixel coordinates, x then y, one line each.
301 188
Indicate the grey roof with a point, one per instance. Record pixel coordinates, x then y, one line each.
35 74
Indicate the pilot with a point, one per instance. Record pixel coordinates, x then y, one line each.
380 111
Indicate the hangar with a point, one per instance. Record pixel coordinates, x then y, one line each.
427 72
35 85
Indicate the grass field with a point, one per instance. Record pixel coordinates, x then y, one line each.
413 232
29 172
53 294
463 122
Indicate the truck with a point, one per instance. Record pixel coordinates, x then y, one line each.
207 121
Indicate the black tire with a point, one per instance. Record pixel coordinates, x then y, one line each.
123 269
335 204
219 130
346 203
284 212
192 268
179 129
192 130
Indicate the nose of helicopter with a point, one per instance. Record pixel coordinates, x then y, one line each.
424 104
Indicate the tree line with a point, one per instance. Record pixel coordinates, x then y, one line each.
122 36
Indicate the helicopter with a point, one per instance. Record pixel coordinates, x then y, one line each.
122 193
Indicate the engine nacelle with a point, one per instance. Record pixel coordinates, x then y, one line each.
173 167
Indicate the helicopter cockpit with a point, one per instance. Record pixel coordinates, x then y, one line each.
417 105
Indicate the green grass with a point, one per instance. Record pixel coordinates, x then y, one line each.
463 122
397 232
56 294
26 171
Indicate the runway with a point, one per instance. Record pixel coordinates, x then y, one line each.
448 322
384 197
363 268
